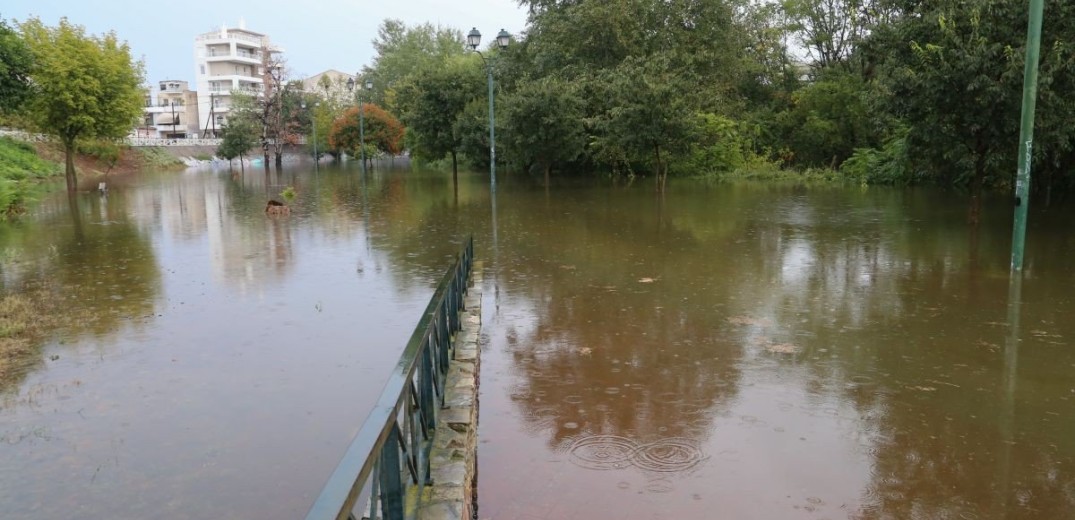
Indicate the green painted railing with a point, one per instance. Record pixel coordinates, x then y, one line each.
390 452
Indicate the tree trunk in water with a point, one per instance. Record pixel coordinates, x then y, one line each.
279 160
548 168
974 216
76 215
455 170
660 169
69 152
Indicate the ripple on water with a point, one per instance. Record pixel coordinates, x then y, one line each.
659 485
603 452
573 399
671 455
668 398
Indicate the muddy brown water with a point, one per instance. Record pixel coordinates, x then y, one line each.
724 351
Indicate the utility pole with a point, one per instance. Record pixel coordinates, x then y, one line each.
1026 133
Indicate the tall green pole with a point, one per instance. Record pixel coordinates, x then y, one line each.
1026 132
492 133
361 133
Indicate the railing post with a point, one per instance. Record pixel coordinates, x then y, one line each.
426 373
391 477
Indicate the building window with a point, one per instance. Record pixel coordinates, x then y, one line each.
202 68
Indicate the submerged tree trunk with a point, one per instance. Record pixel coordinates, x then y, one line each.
975 212
660 168
548 168
279 159
455 169
69 152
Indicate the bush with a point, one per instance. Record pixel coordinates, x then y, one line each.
719 147
890 165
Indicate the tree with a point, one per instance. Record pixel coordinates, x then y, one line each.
16 63
383 133
403 51
383 130
240 135
432 103
543 120
84 86
955 70
645 119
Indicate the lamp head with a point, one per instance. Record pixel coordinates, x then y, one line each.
474 38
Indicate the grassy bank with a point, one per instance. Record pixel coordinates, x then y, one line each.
21 169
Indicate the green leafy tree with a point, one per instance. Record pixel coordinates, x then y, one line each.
433 102
955 71
827 120
404 51
243 130
16 63
542 121
84 86
646 118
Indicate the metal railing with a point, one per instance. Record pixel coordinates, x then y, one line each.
390 452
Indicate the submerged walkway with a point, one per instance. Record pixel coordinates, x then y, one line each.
454 457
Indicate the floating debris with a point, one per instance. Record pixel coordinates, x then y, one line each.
783 348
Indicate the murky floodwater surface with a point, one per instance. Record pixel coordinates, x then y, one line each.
719 352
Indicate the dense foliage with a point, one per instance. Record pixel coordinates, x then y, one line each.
881 91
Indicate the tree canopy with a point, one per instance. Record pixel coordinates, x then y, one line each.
84 86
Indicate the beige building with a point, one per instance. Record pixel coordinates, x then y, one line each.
171 111
225 62
331 84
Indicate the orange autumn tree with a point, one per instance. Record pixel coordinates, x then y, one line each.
383 131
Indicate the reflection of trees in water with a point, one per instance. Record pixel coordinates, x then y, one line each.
906 325
99 270
625 333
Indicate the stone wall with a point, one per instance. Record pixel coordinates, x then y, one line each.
454 458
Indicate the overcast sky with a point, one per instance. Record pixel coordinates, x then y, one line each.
316 34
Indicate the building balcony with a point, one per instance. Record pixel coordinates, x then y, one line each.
215 38
247 58
165 109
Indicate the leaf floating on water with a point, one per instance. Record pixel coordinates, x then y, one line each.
567 267
646 280
783 348
585 351
747 320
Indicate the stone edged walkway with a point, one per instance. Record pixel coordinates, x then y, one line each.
454 457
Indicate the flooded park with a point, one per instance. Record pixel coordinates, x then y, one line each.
719 351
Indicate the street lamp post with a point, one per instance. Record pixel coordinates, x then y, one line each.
361 120
474 38
313 123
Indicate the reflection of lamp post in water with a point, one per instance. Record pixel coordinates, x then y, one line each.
361 119
1009 380
474 38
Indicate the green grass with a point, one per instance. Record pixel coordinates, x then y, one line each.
19 161
155 157
20 168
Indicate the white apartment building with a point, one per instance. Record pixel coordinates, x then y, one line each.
172 113
227 61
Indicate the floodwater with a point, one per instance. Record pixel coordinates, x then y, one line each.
727 351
